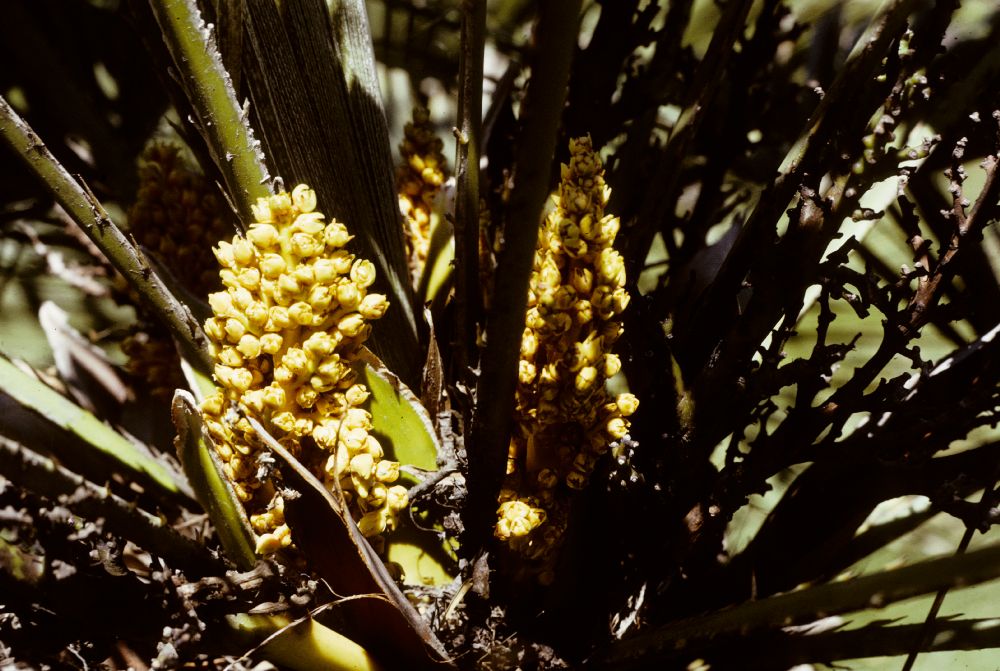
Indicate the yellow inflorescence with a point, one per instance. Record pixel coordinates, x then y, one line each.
419 181
177 215
565 418
286 329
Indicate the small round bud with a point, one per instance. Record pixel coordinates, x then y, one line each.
363 273
263 235
304 198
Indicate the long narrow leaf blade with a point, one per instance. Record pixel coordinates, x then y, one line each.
210 485
54 410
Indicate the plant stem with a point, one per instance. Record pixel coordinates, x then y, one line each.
208 86
543 108
470 114
46 478
82 206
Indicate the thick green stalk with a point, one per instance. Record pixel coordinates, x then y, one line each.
208 87
546 96
84 209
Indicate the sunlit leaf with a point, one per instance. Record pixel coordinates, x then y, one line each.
212 488
48 408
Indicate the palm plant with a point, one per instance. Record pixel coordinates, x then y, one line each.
712 405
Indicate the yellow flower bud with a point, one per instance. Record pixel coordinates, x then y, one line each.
235 329
297 361
627 404
304 245
303 274
336 235
212 405
242 299
301 313
256 316
279 318
243 252
222 304
348 296
285 421
320 344
373 306
304 198
272 266
288 285
325 437
373 523
362 465
351 325
373 447
264 235
387 471
324 271
585 378
306 397
357 394
363 273
617 427
230 357
274 396
612 364
249 346
271 343
249 278
309 222
526 372
268 544
240 379
396 498
342 261
224 254
353 439
611 267
357 418
582 279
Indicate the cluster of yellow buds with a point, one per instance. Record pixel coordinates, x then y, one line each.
153 359
418 181
177 215
286 329
565 418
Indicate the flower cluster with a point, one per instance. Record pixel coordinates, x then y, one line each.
178 216
418 181
286 329
565 418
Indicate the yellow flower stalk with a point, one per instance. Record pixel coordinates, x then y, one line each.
178 216
418 181
565 418
294 313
